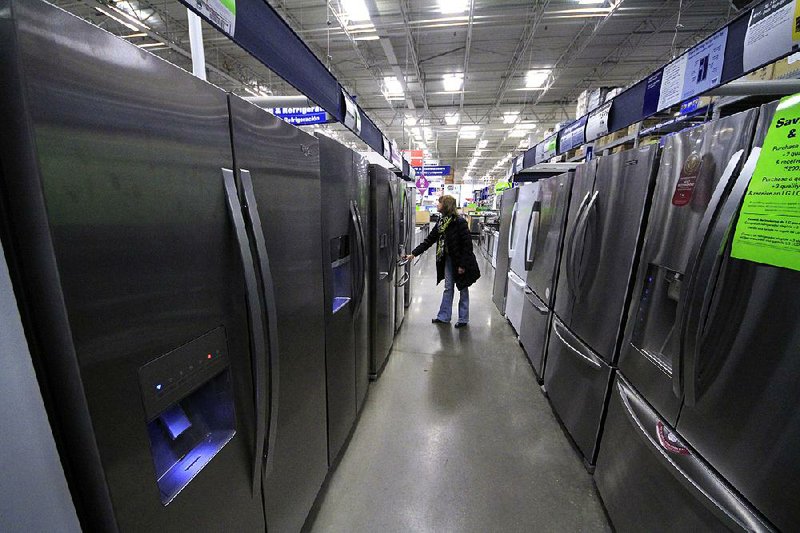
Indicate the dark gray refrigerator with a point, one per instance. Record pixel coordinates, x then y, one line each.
382 267
507 203
345 274
402 225
410 214
541 255
604 228
704 437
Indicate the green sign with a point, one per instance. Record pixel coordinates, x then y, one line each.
768 230
501 186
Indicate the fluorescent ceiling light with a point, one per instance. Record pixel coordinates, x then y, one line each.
117 19
451 119
510 118
470 127
468 134
453 6
453 82
367 38
483 144
410 119
392 86
355 10
524 143
591 1
536 78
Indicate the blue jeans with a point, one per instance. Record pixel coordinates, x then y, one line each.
446 309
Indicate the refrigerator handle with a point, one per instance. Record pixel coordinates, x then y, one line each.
511 229
588 358
393 245
255 319
705 273
530 237
268 288
578 268
568 249
356 218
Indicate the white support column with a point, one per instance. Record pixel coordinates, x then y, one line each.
196 44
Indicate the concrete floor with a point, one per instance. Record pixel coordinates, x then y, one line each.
457 436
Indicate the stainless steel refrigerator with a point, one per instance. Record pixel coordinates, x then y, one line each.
542 253
519 233
382 267
703 417
604 230
345 272
410 227
507 202
402 225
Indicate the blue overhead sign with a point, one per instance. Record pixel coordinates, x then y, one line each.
301 116
437 171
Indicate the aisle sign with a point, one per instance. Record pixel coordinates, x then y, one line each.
422 184
652 91
772 31
768 229
672 83
597 123
573 135
704 65
387 149
549 147
352 117
300 116
433 171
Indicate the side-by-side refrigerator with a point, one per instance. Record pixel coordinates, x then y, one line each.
382 267
507 202
604 228
403 225
519 232
344 257
703 421
542 253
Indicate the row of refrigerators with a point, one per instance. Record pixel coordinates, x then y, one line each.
673 367
201 289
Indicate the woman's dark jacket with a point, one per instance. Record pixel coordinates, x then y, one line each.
458 246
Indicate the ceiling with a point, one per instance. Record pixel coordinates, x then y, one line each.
492 44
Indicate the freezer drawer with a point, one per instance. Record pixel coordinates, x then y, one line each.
515 300
650 480
533 334
576 380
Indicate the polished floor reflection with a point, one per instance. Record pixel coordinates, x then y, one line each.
456 435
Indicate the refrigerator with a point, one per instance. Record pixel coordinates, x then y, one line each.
410 214
541 255
382 267
525 211
402 225
726 452
501 260
345 273
604 231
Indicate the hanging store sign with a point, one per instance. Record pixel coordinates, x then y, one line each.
772 31
768 229
437 171
352 117
652 90
397 155
518 164
422 184
221 13
573 135
387 149
704 65
301 116
597 122
550 146
672 83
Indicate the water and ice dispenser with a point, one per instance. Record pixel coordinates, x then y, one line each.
188 400
342 277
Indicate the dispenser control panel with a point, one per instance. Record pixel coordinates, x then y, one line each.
175 375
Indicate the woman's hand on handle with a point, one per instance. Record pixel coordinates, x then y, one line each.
409 257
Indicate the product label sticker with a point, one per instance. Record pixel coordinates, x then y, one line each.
221 13
768 229
772 31
672 83
687 180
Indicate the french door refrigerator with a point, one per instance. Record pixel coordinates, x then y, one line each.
519 232
713 421
542 252
410 227
345 273
382 267
133 266
609 201
507 202
400 201
275 160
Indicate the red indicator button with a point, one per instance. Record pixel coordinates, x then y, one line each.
209 356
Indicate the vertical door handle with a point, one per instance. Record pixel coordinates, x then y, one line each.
578 268
255 319
393 245
569 248
511 229
268 288
356 219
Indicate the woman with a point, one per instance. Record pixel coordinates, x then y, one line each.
455 262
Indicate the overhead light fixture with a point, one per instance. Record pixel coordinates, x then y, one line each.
355 10
477 152
510 117
453 82
392 86
451 119
468 134
367 38
535 79
117 19
483 144
453 6
591 1
411 120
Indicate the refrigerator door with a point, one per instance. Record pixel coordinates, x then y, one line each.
740 368
341 267
610 233
128 261
402 274
582 189
515 300
694 175
361 213
411 208
281 160
526 219
546 235
534 331
651 480
383 263
576 380
500 260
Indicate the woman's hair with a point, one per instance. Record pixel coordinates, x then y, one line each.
449 205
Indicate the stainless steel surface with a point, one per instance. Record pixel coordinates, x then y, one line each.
507 202
132 256
534 331
515 300
411 210
281 160
383 260
525 212
400 206
576 380
362 325
33 489
751 87
650 479
652 337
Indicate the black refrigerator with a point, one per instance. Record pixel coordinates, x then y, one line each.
402 225
382 267
345 274
604 228
154 290
703 417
